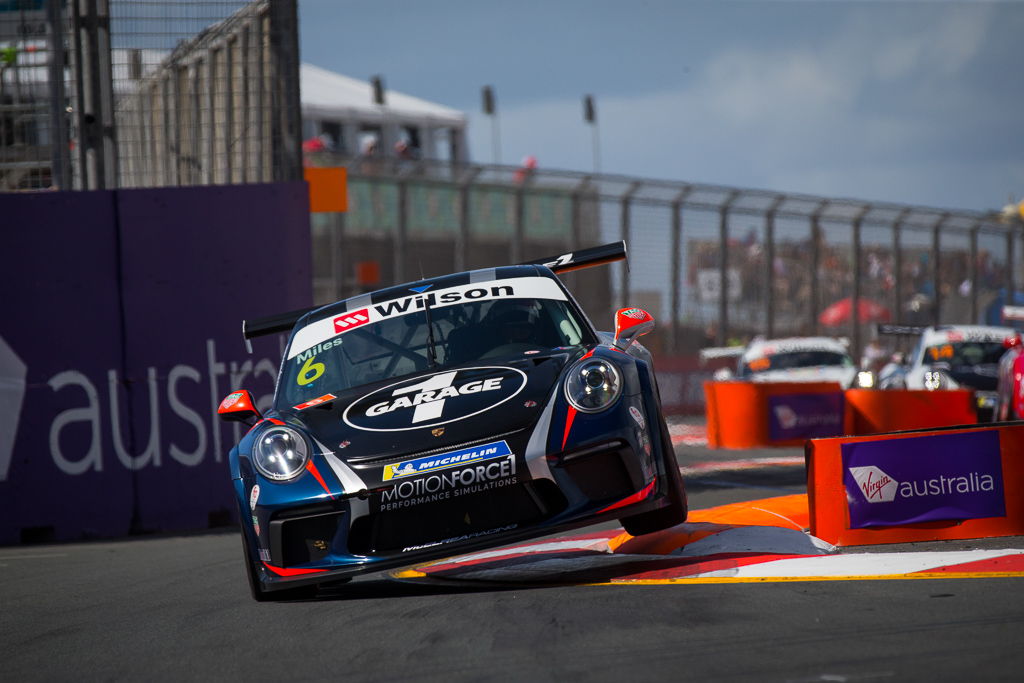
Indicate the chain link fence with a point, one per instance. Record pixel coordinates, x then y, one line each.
100 94
716 265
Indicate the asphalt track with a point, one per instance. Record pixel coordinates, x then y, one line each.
177 608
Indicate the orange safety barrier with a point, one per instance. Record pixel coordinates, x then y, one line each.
739 415
926 485
873 412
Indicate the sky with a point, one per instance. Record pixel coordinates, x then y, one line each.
908 102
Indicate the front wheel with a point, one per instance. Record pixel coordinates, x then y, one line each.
672 514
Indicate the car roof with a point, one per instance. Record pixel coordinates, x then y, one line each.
770 347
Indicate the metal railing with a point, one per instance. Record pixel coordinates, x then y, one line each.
99 94
716 264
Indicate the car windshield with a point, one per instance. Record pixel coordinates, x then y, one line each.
366 352
964 353
796 359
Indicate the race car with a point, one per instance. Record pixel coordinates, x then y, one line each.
952 357
1010 382
451 414
792 359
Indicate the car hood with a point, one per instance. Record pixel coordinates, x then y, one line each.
438 409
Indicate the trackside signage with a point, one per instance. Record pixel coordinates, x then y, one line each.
805 416
929 478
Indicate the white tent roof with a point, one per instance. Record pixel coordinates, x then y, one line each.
331 95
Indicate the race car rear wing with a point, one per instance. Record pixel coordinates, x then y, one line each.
714 352
562 263
901 330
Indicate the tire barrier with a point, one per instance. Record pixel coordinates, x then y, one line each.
926 485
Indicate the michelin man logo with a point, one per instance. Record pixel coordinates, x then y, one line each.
874 484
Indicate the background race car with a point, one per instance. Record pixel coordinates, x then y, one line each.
793 359
952 357
455 413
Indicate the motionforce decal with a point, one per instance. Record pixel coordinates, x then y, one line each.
889 483
442 461
323 334
448 484
436 399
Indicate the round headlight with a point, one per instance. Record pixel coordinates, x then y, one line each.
280 453
592 385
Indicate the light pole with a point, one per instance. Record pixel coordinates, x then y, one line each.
590 116
490 109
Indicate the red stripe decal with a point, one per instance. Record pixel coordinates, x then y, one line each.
571 415
316 473
281 571
635 498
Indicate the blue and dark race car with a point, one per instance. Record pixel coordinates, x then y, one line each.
447 415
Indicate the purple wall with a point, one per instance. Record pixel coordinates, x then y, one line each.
120 333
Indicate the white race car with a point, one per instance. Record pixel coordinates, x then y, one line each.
793 359
954 357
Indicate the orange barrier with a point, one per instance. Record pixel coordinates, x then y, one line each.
873 412
927 485
740 415
328 188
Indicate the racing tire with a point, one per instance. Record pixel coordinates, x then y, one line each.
260 594
675 512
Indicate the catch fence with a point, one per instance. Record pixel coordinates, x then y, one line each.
101 94
716 265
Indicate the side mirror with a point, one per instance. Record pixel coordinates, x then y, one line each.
238 406
630 324
1012 341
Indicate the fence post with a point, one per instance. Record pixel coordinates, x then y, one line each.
94 94
769 271
855 295
677 237
936 268
1010 285
897 263
462 237
624 228
286 124
814 305
60 157
973 270
401 232
723 267
519 229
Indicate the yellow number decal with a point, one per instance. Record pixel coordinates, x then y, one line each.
310 372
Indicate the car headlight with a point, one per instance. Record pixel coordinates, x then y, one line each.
280 453
865 379
592 385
